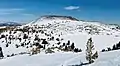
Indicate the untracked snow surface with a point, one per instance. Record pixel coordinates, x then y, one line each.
105 59
62 59
38 60
100 41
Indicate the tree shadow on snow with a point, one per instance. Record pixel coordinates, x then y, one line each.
82 64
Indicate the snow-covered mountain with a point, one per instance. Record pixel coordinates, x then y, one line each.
54 18
61 36
9 24
67 24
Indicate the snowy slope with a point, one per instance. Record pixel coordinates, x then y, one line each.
108 59
38 60
64 25
62 28
79 31
62 59
105 59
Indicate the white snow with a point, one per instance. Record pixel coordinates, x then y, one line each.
38 60
111 58
76 31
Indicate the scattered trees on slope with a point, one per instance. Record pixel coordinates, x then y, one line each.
114 47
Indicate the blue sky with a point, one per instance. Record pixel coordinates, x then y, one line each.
107 11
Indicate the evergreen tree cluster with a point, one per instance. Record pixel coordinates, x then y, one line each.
70 47
114 47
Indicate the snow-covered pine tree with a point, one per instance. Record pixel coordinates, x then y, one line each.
90 56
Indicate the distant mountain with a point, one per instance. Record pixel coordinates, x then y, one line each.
9 24
51 18
59 17
69 24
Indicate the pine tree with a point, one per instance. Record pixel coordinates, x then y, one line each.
89 51
44 42
114 47
68 42
1 53
72 46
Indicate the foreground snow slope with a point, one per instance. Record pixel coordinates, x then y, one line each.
111 58
38 60
62 59
108 59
